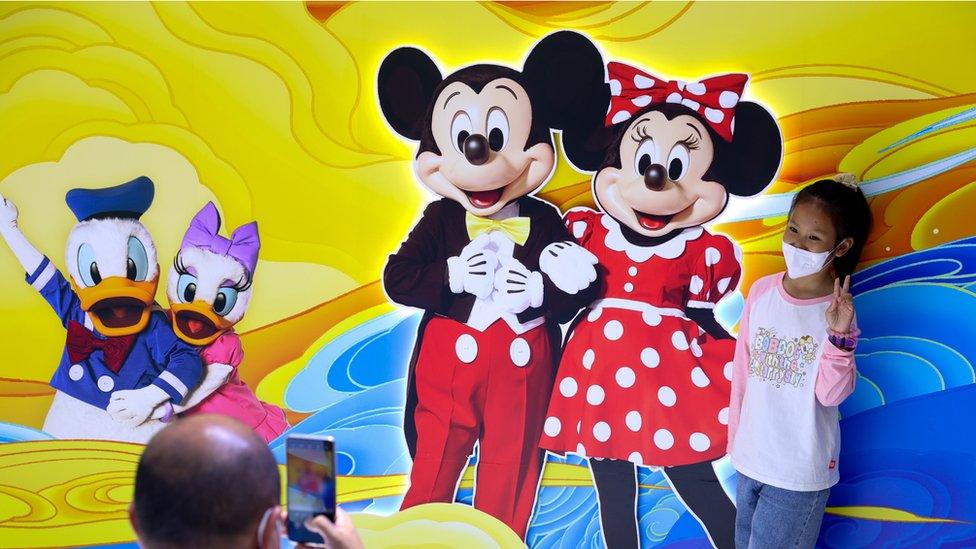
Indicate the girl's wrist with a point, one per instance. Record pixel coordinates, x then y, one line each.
844 342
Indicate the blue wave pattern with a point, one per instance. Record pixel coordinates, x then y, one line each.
916 366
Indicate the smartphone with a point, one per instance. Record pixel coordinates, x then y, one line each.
310 461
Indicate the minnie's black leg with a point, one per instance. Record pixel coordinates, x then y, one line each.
616 487
699 488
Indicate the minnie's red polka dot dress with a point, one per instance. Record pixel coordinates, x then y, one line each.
638 380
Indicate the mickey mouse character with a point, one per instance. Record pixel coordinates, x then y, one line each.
493 268
645 376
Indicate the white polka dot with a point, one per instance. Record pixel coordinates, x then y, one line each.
663 439
578 425
76 372
632 271
723 416
466 348
633 420
712 256
728 371
580 449
579 228
691 104
696 284
615 87
727 99
651 317
625 377
675 97
588 358
620 117
568 387
714 116
106 384
666 396
628 287
696 88
679 341
636 458
641 101
520 352
699 378
594 314
553 426
595 395
601 431
723 284
650 357
699 442
613 330
695 348
643 82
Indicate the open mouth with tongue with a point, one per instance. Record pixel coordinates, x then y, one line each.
195 325
484 199
119 312
653 222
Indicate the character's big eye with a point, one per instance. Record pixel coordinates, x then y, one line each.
497 129
678 162
461 128
186 287
137 262
644 156
87 268
225 301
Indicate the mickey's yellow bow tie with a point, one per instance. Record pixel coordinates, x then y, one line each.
516 228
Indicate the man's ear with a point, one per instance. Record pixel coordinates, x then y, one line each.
133 520
406 83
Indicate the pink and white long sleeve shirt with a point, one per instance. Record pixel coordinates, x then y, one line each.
787 381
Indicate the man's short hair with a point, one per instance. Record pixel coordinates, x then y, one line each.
204 482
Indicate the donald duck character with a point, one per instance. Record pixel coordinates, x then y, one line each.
121 358
209 289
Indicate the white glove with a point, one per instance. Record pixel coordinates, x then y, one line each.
569 266
517 288
473 271
8 214
214 378
134 407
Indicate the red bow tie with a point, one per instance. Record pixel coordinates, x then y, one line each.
713 98
81 344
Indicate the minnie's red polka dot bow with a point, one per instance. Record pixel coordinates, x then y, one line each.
713 98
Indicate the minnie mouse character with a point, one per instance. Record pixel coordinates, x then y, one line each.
644 378
493 268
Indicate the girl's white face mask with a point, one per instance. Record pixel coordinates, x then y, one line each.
801 263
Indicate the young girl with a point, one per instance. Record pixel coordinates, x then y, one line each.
794 364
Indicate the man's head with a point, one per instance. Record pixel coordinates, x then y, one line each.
205 481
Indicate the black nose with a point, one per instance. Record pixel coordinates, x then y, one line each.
476 149
654 177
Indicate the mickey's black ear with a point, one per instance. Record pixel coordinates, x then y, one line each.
750 162
406 83
567 77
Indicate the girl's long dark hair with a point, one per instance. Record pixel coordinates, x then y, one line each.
850 213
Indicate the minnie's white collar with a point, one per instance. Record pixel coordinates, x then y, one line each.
668 250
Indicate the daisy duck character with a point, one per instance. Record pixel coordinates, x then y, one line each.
121 358
493 268
209 289
645 376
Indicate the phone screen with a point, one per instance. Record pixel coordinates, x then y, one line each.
311 484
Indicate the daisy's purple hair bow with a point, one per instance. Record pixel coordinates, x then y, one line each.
243 245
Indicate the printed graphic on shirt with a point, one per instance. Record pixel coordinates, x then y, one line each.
780 360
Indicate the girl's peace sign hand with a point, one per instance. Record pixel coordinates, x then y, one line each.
840 313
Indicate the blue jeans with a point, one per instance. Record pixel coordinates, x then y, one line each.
768 517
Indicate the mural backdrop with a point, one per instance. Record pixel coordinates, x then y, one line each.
271 112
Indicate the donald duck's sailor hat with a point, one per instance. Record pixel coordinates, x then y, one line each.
128 200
